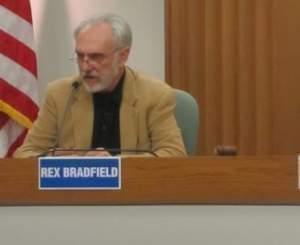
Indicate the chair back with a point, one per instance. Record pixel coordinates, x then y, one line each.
187 117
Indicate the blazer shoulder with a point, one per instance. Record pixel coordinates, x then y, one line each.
151 85
60 85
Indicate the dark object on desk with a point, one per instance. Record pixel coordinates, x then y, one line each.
225 150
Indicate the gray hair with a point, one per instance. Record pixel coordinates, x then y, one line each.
120 28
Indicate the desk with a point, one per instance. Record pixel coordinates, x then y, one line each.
33 217
195 180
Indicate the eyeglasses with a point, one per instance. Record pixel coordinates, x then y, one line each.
93 58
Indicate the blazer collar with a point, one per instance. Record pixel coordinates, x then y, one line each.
129 112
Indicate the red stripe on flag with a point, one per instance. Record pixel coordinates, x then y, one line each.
16 144
19 7
18 100
3 119
18 52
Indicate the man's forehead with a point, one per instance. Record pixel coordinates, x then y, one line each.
96 38
97 29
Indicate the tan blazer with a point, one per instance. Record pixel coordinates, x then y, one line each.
147 119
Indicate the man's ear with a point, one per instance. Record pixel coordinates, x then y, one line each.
124 53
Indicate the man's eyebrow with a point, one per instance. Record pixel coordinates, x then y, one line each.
91 53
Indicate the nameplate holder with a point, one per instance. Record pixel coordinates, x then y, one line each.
79 173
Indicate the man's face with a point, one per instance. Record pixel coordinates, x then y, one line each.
100 60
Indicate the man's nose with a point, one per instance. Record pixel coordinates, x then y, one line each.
85 65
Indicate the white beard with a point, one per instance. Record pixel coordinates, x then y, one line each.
105 83
94 89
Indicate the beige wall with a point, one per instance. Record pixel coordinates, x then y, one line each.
148 225
54 21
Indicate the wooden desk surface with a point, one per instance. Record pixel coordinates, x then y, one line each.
195 180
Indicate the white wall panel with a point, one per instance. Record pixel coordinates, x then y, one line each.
148 225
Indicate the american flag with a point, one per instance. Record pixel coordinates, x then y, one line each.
18 74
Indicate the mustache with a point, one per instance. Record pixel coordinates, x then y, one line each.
88 76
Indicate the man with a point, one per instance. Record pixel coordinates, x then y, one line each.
108 106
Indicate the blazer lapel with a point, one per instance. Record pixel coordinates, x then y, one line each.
82 116
129 113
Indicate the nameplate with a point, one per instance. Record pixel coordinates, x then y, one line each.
79 173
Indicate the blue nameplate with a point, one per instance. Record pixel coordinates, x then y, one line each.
88 173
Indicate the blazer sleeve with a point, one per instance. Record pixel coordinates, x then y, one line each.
42 135
165 135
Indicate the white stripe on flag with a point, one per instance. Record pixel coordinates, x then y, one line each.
16 27
18 77
8 135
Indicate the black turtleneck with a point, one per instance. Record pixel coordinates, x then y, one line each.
106 130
